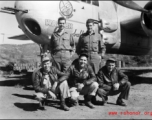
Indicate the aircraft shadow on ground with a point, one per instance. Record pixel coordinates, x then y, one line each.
35 106
27 106
50 101
134 77
28 88
112 103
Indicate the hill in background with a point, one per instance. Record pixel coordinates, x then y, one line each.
26 53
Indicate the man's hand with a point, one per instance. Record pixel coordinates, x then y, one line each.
49 36
86 82
52 95
116 86
84 75
72 53
79 87
45 82
102 55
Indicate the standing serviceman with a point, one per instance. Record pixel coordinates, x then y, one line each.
92 44
62 46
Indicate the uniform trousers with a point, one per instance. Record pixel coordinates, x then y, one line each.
85 90
61 88
107 90
62 60
95 61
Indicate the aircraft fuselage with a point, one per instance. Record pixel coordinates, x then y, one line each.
41 21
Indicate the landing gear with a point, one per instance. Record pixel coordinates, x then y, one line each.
43 51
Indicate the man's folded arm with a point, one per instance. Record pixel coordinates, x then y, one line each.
123 77
92 76
100 78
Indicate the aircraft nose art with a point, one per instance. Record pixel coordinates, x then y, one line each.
32 26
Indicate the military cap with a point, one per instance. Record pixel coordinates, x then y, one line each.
90 21
111 59
46 58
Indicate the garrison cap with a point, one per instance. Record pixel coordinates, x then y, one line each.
45 58
90 21
111 59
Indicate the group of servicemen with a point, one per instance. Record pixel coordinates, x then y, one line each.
61 78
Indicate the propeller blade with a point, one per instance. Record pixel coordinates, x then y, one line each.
132 5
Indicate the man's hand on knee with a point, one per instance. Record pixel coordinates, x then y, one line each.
52 95
79 87
116 86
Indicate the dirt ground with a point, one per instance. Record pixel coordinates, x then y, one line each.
17 102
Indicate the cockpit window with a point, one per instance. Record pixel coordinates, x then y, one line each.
89 1
83 0
95 2
86 1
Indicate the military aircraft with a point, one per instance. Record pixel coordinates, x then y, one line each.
126 27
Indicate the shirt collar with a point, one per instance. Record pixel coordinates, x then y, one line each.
110 72
93 32
83 69
61 34
45 73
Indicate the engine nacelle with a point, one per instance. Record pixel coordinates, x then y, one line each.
146 20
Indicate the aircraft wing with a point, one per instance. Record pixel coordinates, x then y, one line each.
19 37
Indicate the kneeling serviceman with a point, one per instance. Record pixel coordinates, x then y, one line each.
82 80
112 81
47 84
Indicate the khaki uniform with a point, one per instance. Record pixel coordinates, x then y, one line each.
62 48
92 45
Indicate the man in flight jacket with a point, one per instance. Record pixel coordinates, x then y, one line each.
112 81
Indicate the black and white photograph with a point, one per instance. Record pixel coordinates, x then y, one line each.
82 59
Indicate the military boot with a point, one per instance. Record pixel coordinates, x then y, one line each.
88 101
42 105
94 100
120 102
64 106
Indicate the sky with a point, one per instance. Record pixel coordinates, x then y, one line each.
9 26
